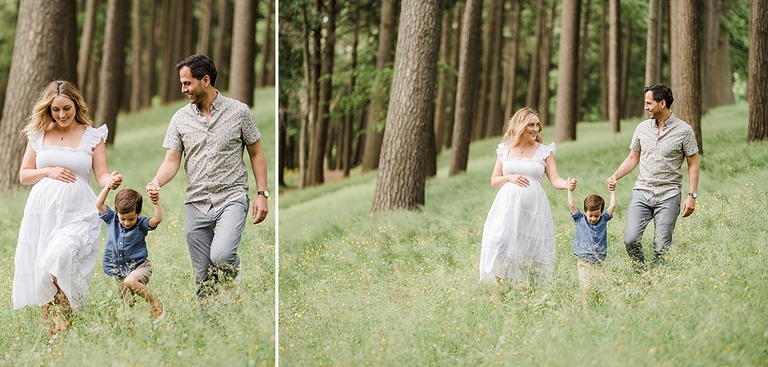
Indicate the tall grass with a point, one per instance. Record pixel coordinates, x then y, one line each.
238 330
402 288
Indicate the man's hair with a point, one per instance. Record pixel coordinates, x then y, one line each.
200 66
660 92
128 201
594 202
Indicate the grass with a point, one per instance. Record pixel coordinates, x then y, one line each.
242 329
402 288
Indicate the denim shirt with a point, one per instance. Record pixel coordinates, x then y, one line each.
591 241
126 249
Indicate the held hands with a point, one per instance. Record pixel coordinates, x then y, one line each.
571 183
611 183
153 191
518 180
115 180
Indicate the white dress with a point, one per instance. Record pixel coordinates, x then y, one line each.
519 233
59 233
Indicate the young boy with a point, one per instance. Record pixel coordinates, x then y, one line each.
125 254
590 242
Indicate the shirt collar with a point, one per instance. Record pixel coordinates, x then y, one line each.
215 106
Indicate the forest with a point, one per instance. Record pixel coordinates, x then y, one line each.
122 55
466 66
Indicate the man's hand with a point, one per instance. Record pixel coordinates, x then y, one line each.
260 209
153 191
688 206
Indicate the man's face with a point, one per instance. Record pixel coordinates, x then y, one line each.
654 108
190 86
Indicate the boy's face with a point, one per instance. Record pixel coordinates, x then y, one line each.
128 220
593 216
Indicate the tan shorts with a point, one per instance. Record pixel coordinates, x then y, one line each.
590 274
144 272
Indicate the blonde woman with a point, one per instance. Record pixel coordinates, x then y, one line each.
59 234
519 234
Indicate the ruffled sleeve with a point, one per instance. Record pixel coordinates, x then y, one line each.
94 135
547 149
501 151
36 140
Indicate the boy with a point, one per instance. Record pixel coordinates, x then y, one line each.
590 242
125 254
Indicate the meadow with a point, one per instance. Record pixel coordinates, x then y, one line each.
402 288
237 330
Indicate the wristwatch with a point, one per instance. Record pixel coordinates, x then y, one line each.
263 193
693 195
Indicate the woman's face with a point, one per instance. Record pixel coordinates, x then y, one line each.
63 111
532 129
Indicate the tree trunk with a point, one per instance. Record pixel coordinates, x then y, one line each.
686 80
465 92
402 178
241 78
653 44
495 121
113 65
136 62
148 85
581 69
546 65
724 70
267 57
69 46
532 95
442 109
86 45
384 56
514 48
484 68
614 93
223 44
604 52
624 62
204 38
454 76
567 75
323 119
757 87
346 149
36 61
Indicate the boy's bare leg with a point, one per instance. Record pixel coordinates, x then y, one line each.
133 283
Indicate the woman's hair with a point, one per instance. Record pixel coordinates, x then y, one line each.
515 127
41 114
594 202
128 201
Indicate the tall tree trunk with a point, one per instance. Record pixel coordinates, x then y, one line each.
653 44
151 50
136 77
724 70
310 79
495 121
532 95
581 69
266 47
69 46
481 104
567 75
384 56
626 46
545 66
402 178
514 48
113 65
757 87
241 78
716 73
223 43
465 92
442 109
604 52
614 93
206 16
86 45
346 151
33 66
323 119
686 79
454 76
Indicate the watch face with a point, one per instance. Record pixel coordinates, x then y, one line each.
265 193
694 195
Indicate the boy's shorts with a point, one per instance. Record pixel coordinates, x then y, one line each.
144 272
590 274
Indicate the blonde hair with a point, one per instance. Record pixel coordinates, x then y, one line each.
41 114
515 126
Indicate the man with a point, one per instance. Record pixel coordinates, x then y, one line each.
210 133
659 145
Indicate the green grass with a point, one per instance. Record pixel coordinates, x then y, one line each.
402 288
107 334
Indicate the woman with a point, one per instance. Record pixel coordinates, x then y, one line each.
519 234
59 233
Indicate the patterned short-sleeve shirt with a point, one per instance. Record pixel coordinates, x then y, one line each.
213 151
662 155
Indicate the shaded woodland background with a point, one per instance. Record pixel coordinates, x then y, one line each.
573 60
122 55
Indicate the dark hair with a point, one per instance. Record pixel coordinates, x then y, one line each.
660 92
128 201
594 202
200 66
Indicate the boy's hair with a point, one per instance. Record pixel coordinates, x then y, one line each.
128 201
594 202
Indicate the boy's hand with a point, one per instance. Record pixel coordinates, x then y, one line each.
153 191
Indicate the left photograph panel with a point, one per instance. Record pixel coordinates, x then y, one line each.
139 143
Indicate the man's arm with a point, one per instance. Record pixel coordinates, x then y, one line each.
693 184
259 165
629 164
165 174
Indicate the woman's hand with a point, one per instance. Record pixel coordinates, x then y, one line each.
60 173
518 180
115 180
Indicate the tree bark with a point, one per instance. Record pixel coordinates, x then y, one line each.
267 57
151 51
86 45
69 47
757 90
37 56
241 78
204 39
454 76
223 43
442 108
604 48
465 92
514 49
614 93
532 95
323 119
113 65
653 44
624 62
136 62
384 56
346 148
580 70
567 75
495 121
545 66
401 180
686 80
